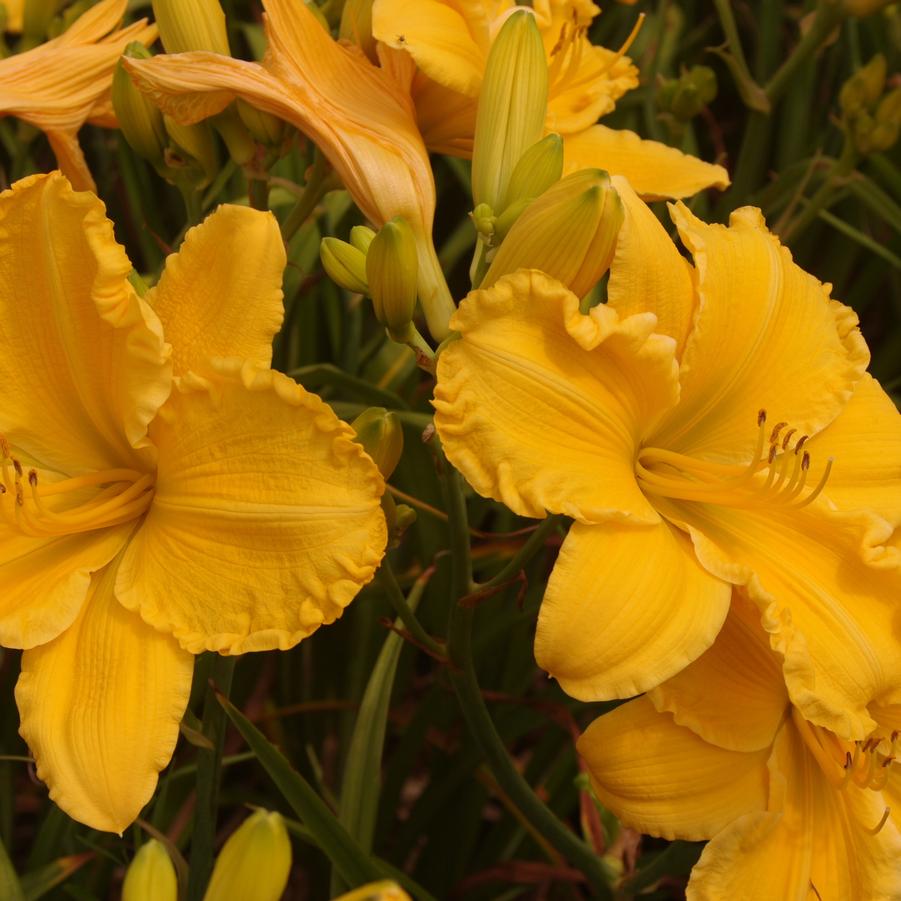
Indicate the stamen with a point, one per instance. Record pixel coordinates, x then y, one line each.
805 465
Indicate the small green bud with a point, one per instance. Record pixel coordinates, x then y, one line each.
269 130
356 26
684 97
344 264
382 437
569 232
150 876
863 89
140 121
538 168
191 25
512 107
361 237
254 862
483 219
237 138
889 109
191 152
392 269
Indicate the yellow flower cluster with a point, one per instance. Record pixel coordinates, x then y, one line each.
731 469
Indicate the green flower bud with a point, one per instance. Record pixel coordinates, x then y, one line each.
237 138
269 130
392 271
140 121
512 107
344 264
36 17
254 862
684 97
150 876
538 168
356 26
361 237
483 219
569 232
191 152
863 89
382 437
191 25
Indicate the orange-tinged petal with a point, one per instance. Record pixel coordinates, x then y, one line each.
733 695
446 119
648 274
70 159
654 170
828 591
626 607
765 336
661 778
100 708
865 442
45 580
88 368
266 519
220 295
542 408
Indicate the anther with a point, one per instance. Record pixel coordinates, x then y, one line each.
17 466
32 478
772 454
888 761
761 417
4 447
801 441
805 461
848 759
777 428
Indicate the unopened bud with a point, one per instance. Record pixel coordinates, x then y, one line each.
361 237
191 25
538 168
483 219
140 121
863 89
862 8
36 16
191 152
512 107
391 272
269 130
376 891
150 876
569 232
344 264
382 437
356 26
237 138
254 862
684 97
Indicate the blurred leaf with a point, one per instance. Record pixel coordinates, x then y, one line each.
10 887
36 885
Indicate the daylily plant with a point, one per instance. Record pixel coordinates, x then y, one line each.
689 427
793 810
449 43
164 492
354 111
65 82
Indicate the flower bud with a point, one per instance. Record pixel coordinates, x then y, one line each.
861 8
361 237
512 107
36 16
684 97
254 862
150 876
863 89
269 130
484 220
191 25
391 272
191 152
356 26
140 121
344 264
538 168
382 437
569 232
376 891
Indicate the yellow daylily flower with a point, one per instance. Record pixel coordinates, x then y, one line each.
449 41
688 427
67 81
376 891
792 810
163 491
354 111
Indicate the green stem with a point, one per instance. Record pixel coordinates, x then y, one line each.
389 583
318 185
209 766
317 375
469 694
258 192
534 544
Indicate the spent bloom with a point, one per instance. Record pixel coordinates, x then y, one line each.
711 425
792 809
65 82
164 492
448 43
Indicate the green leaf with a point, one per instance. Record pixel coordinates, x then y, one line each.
10 887
346 855
35 885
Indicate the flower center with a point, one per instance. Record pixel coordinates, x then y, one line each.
777 477
866 764
41 509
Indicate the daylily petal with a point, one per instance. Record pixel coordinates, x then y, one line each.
221 294
88 369
626 607
828 592
865 442
70 159
662 779
45 581
253 549
446 119
654 170
542 408
127 686
733 695
797 354
648 274
449 41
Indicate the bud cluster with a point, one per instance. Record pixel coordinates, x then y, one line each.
871 116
